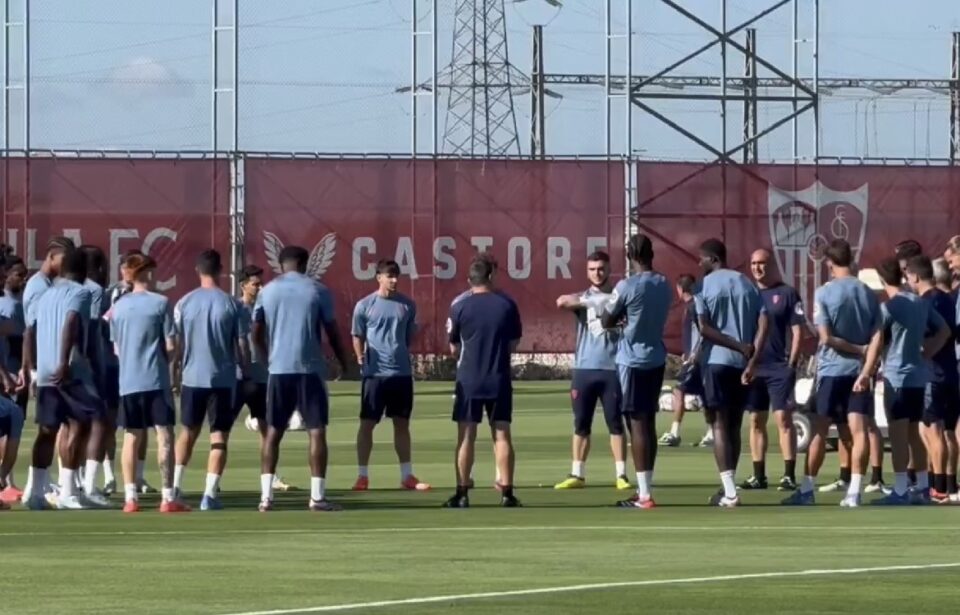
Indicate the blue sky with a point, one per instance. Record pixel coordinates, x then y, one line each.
320 75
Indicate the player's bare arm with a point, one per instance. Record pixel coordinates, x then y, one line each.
715 336
359 348
259 333
339 351
763 326
796 337
569 302
69 336
838 343
870 364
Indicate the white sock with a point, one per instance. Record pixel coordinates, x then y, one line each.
108 475
90 476
167 493
266 487
140 464
213 481
178 477
363 472
406 469
900 483
808 484
317 488
68 486
675 429
130 492
577 469
643 486
621 468
923 480
31 483
855 481
59 467
729 486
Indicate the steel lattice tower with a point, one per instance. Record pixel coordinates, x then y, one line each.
481 120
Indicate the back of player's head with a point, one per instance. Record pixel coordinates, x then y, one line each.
132 252
715 250
250 271
598 256
96 263
209 263
941 273
294 258
60 244
907 249
74 265
839 253
139 264
640 249
686 282
489 257
889 272
480 272
388 268
922 267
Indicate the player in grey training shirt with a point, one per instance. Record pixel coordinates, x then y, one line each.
384 323
292 312
141 327
209 324
594 374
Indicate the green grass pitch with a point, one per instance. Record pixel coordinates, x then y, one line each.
389 545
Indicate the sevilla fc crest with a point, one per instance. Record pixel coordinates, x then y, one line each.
802 223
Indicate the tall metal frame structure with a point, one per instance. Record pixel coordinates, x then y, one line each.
481 118
224 81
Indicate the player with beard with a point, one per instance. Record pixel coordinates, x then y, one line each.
772 388
944 283
595 374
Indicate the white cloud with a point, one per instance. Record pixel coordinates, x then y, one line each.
145 77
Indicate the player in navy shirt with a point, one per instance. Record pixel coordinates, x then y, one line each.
733 323
941 407
914 333
944 282
484 330
772 389
594 373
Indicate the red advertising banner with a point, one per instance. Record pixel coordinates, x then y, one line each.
540 219
172 210
793 211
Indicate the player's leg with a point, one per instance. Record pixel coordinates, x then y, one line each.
281 402
829 396
898 428
194 403
222 416
678 409
918 450
640 406
128 466
144 445
71 454
780 389
951 416
313 403
500 413
399 409
932 434
758 405
161 411
725 401
611 400
859 454
11 429
876 460
464 453
583 401
372 404
94 453
111 396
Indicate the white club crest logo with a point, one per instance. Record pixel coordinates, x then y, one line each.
321 257
802 223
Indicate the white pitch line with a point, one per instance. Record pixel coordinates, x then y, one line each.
594 586
489 529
